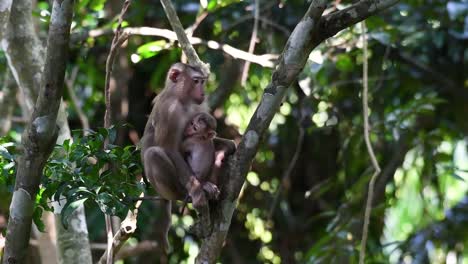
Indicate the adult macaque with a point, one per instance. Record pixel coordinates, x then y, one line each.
164 165
199 151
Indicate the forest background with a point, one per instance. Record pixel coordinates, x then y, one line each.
304 196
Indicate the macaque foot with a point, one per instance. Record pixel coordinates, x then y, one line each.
197 194
211 190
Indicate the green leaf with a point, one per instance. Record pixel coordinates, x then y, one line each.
104 200
37 215
5 154
68 209
212 5
151 49
458 177
344 63
112 134
97 5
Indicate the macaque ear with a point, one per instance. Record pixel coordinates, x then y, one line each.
173 74
211 134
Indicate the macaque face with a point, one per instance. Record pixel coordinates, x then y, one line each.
196 126
192 80
197 92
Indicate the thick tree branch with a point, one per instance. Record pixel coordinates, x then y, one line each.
40 135
291 62
309 33
339 20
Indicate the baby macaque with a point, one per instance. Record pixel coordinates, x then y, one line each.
199 151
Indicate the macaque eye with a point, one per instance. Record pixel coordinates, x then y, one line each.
202 81
195 81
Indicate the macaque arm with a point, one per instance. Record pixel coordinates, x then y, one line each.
225 145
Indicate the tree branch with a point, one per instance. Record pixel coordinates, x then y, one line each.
117 41
291 62
265 60
182 37
370 150
40 135
127 228
309 33
339 20
253 40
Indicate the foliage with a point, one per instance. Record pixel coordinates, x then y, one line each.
8 151
418 102
82 171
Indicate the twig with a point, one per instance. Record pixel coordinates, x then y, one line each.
375 164
69 83
117 41
182 37
127 228
253 40
146 198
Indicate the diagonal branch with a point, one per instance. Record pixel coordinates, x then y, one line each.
309 33
291 62
182 37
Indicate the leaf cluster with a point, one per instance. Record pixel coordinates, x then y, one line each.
81 170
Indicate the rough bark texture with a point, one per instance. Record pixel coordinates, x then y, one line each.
308 34
24 51
25 58
40 134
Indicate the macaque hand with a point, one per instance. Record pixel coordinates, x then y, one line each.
211 190
219 159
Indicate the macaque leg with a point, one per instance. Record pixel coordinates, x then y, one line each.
226 145
161 173
194 188
172 178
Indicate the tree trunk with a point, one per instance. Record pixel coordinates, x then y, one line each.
41 133
25 58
